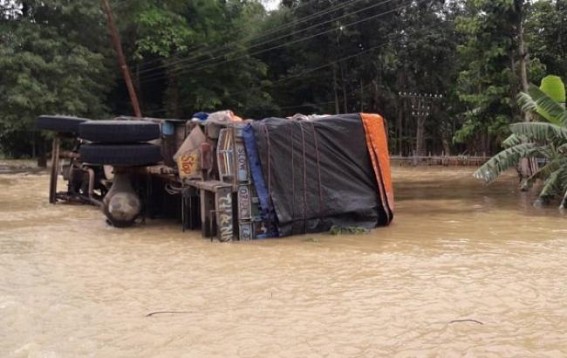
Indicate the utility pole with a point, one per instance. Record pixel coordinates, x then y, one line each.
421 106
121 60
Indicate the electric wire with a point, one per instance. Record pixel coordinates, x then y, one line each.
208 61
306 72
183 69
252 38
297 32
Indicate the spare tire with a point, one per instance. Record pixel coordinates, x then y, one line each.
63 124
121 155
112 131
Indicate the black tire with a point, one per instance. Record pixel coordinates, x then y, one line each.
112 131
122 155
62 124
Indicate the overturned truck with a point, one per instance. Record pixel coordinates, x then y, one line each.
232 179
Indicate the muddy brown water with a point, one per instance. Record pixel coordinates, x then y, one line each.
465 271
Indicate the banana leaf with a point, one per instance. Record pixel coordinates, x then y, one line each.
554 87
537 101
540 131
502 161
555 184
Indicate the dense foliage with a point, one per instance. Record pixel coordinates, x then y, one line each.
543 140
471 58
52 60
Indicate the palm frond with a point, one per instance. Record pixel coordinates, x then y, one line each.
545 106
540 131
502 161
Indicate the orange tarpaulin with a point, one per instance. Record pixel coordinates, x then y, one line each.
377 143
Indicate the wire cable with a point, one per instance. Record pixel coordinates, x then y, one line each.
204 62
251 38
303 73
299 31
182 70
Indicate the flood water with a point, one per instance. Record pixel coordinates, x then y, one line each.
465 271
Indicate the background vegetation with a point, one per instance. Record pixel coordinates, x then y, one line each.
309 56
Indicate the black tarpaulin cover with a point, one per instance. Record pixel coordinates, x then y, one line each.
319 174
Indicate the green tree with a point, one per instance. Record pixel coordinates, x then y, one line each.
426 52
50 64
353 56
547 36
331 56
493 69
194 55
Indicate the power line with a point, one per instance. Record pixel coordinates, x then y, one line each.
300 31
330 63
210 61
182 69
290 42
251 38
218 51
311 70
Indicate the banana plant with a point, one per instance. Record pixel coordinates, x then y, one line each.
544 139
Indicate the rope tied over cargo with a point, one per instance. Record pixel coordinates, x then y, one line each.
328 160
292 172
304 178
303 127
318 168
267 133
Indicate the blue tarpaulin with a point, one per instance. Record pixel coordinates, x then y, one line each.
266 208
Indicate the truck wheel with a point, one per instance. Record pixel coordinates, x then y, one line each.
113 131
62 124
120 155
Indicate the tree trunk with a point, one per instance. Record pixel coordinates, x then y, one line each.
34 144
525 163
522 51
335 89
138 87
26 6
42 155
343 86
361 97
446 146
399 128
523 61
522 47
375 97
173 101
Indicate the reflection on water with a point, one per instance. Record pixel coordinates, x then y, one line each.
465 270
